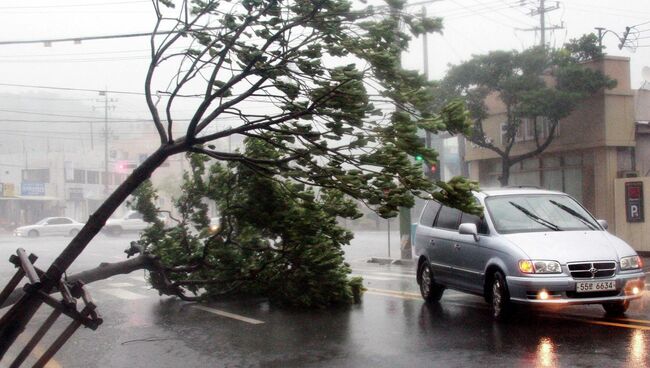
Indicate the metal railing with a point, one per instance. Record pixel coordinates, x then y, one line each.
67 305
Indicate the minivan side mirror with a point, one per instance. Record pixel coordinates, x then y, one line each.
603 223
468 229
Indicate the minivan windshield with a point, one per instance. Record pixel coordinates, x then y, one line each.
538 212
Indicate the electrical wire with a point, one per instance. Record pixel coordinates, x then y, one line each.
105 37
73 5
71 89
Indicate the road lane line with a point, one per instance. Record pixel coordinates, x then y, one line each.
123 294
394 292
370 277
604 323
228 315
393 295
383 271
632 320
414 296
410 277
410 294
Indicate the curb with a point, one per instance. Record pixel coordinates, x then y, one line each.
391 261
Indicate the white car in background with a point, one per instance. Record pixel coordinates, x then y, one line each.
50 226
132 222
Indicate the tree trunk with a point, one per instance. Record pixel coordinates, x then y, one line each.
14 321
505 172
101 272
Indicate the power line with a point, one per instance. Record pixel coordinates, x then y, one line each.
90 60
48 42
86 53
72 5
71 89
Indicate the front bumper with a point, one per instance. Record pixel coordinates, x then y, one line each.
562 289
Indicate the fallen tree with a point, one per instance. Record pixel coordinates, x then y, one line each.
319 68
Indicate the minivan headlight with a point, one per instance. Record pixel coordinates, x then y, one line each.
527 266
631 263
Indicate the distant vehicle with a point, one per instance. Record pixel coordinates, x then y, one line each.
132 222
531 247
50 226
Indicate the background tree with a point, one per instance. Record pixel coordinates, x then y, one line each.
317 66
537 84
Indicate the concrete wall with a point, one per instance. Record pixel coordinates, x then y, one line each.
636 234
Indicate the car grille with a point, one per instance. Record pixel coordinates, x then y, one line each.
595 294
591 270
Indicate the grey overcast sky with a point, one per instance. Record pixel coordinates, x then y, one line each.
471 27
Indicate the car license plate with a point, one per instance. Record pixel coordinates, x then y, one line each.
591 286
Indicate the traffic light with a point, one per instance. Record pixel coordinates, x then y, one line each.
431 171
419 157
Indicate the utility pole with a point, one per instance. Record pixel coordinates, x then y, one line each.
405 212
106 107
541 11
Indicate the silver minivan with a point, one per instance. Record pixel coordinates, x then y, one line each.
531 246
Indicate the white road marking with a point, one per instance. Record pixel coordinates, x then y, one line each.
228 315
119 284
370 277
383 271
396 275
123 294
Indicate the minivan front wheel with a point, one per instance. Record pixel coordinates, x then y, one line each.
616 308
431 292
500 297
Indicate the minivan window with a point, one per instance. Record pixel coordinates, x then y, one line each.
448 218
538 212
429 213
481 226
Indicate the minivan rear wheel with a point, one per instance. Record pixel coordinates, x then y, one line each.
616 308
500 297
431 292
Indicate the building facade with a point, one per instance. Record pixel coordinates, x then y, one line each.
593 146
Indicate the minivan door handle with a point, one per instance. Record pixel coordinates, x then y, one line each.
432 242
457 246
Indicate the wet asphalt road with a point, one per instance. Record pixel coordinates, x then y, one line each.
392 327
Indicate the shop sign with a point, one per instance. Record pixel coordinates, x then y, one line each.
32 189
7 190
634 201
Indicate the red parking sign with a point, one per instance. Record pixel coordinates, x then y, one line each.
634 201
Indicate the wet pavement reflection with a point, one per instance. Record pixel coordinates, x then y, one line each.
392 327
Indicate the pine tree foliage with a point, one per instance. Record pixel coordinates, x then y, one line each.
339 110
275 239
